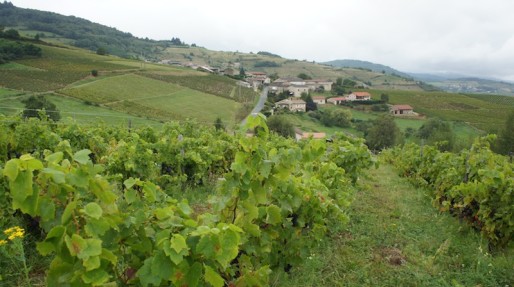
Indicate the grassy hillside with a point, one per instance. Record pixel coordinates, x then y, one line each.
483 113
146 90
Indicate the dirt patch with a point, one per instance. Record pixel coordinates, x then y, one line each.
392 255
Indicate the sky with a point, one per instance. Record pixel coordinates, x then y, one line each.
468 37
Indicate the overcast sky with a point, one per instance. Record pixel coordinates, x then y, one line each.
472 37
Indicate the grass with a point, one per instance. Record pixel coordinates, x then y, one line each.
148 97
396 238
123 87
77 111
482 114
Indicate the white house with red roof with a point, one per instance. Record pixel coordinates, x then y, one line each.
359 96
399 110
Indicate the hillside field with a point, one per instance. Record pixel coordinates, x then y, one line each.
66 72
485 114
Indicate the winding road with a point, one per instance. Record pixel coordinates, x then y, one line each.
260 104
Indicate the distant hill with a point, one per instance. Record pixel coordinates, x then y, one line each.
53 27
69 30
366 65
475 86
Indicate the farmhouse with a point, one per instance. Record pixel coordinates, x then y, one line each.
320 100
399 110
337 100
315 84
359 96
292 104
297 86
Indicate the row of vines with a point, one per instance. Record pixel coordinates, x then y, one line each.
107 212
475 185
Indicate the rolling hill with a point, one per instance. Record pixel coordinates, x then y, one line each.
69 30
124 88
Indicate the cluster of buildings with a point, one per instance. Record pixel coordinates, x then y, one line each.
296 86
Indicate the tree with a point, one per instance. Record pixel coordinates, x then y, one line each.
242 73
11 34
384 98
304 76
281 125
218 124
310 105
101 51
35 104
505 140
336 117
383 133
437 131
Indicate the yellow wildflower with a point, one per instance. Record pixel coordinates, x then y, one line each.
14 232
2 242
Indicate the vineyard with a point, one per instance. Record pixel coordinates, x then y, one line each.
475 185
107 206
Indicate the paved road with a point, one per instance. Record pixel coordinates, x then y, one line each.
260 104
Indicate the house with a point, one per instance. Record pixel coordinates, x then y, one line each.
337 100
320 100
298 90
317 83
300 135
277 88
399 110
292 104
359 96
291 81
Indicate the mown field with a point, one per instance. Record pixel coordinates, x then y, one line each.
478 111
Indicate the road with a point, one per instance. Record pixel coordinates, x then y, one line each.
258 107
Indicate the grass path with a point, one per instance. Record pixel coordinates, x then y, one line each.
396 238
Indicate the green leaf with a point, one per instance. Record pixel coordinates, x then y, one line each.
21 187
46 209
95 277
207 245
93 248
94 210
11 169
129 182
96 227
229 243
178 243
75 244
130 196
57 175
91 263
194 274
55 157
30 163
212 277
265 168
68 212
150 191
162 266
82 156
273 215
145 274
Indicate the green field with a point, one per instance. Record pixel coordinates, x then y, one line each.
481 114
123 87
73 110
